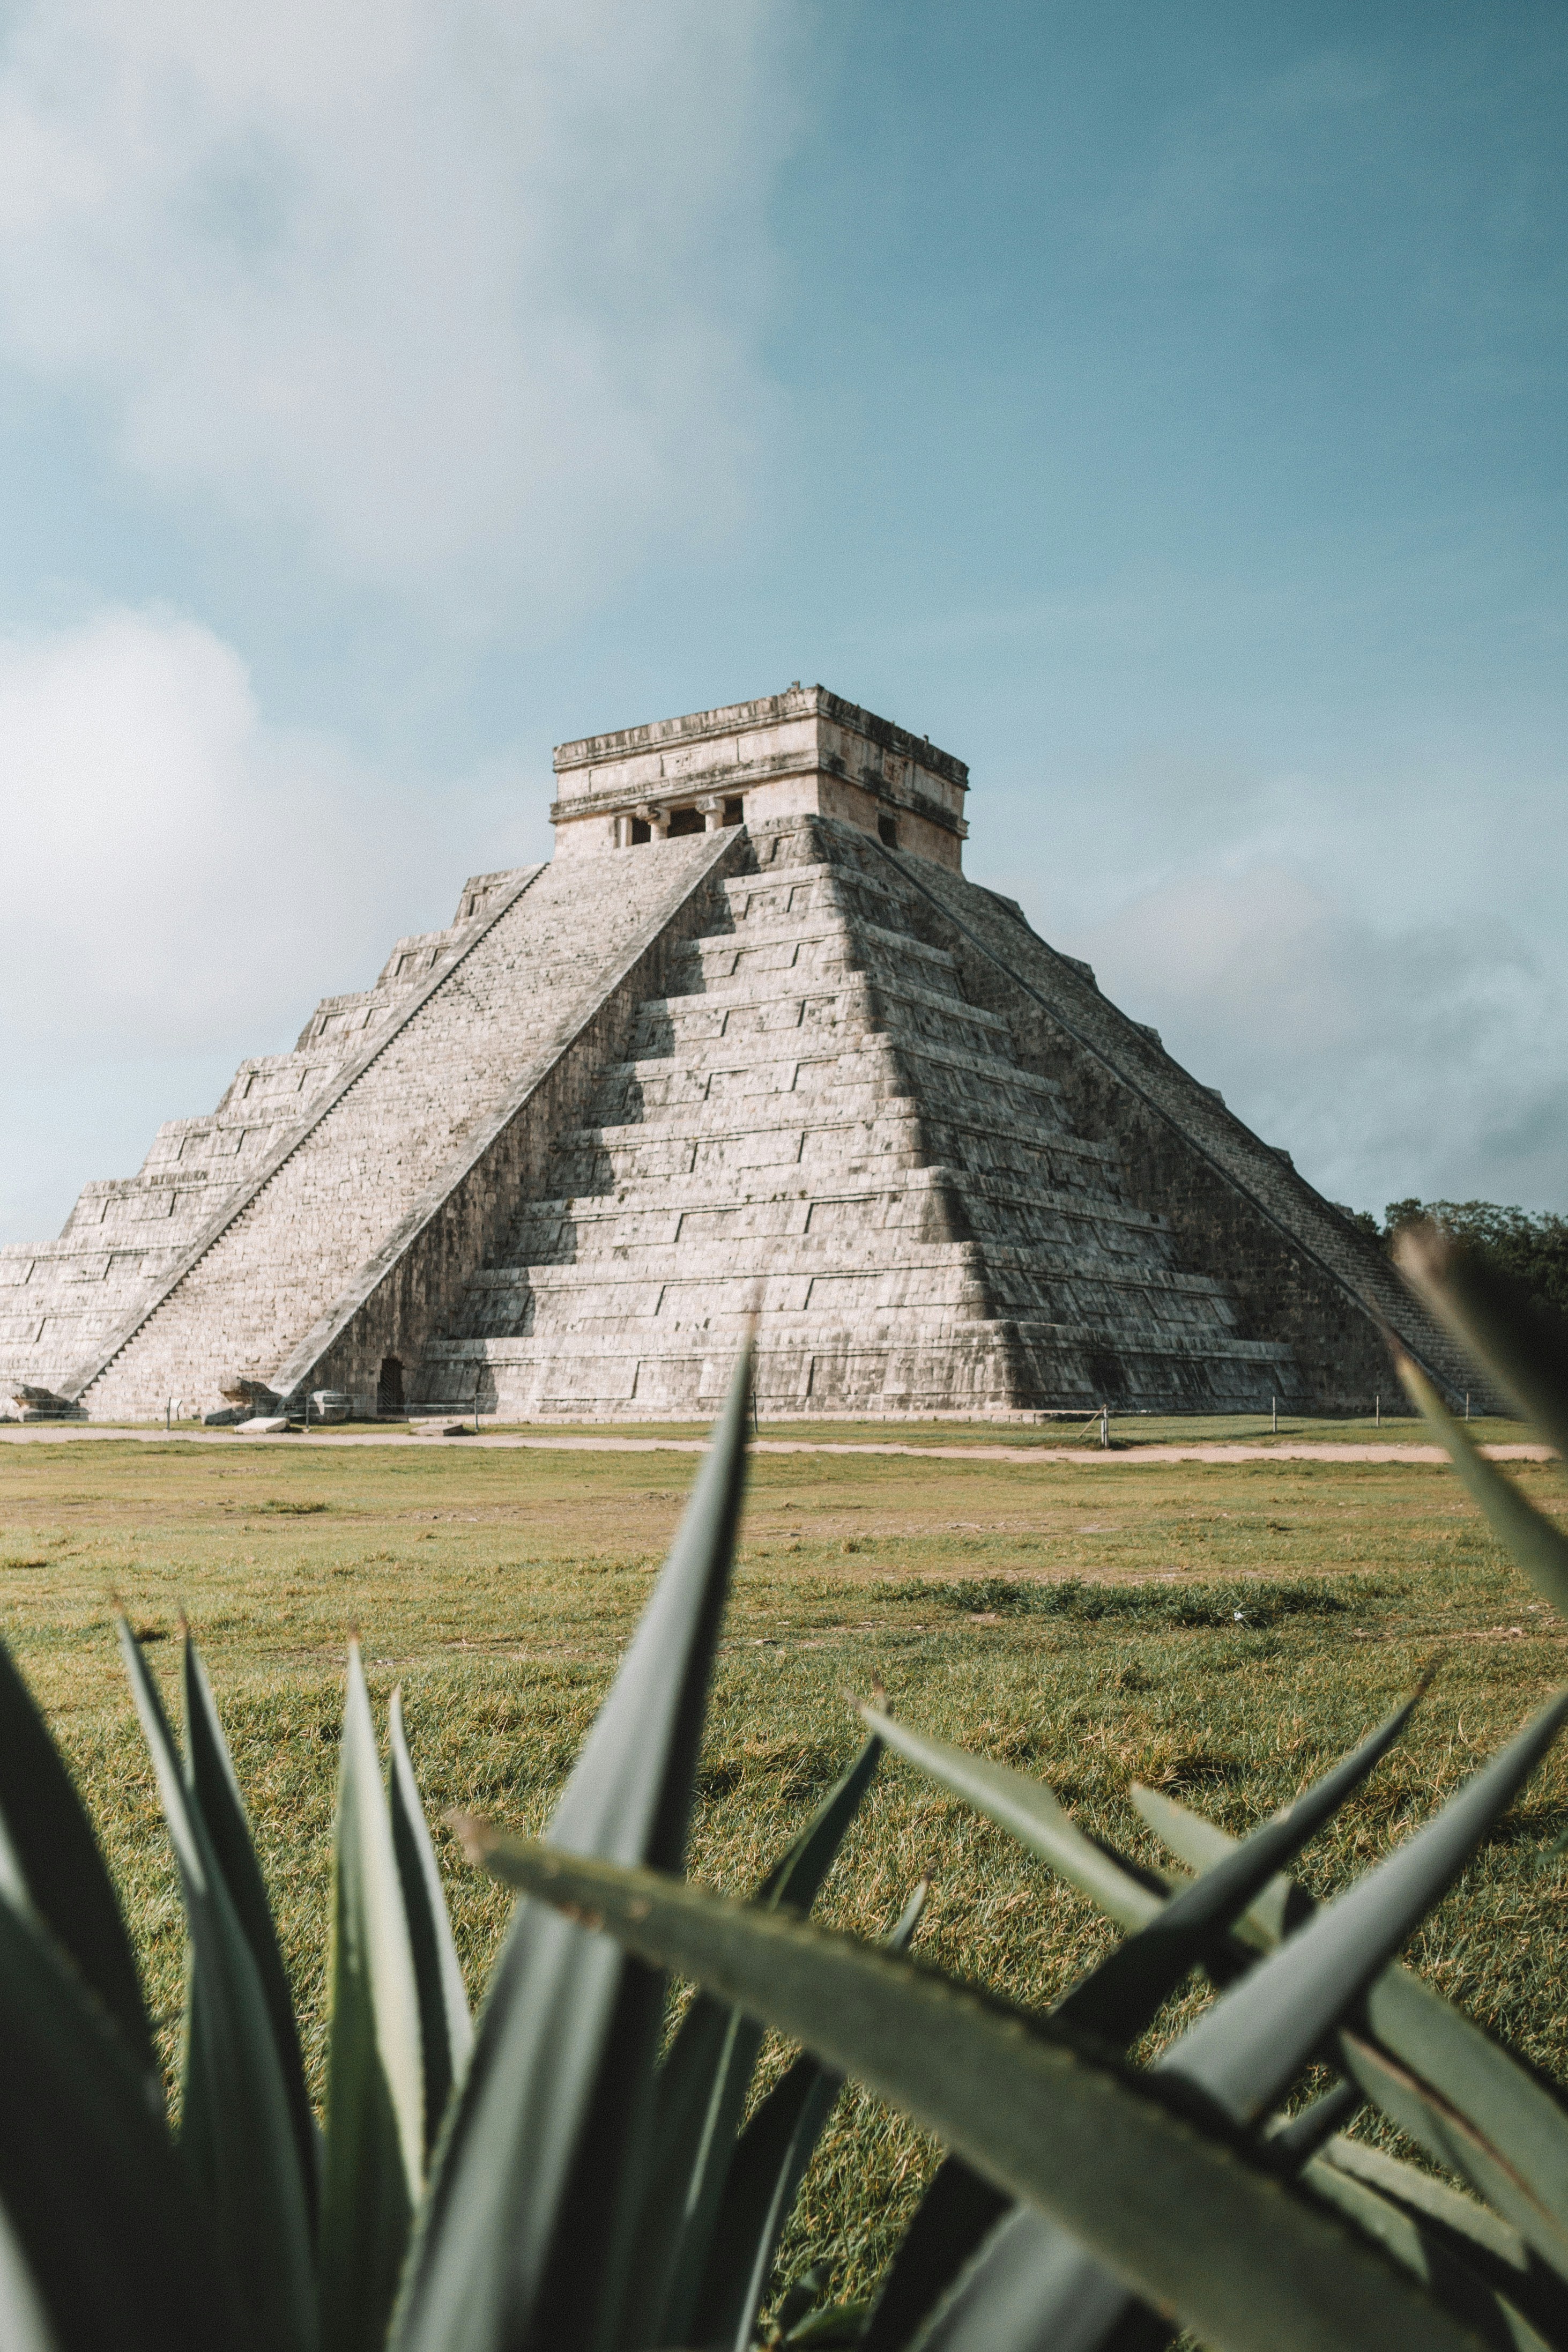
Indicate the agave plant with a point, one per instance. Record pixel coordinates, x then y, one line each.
1087 2203
541 2174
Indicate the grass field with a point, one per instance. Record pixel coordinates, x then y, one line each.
1125 1431
1077 1620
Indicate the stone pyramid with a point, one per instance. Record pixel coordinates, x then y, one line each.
751 1046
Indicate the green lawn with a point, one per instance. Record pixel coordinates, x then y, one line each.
1074 1620
1398 1426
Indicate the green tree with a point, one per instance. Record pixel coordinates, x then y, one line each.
1532 1249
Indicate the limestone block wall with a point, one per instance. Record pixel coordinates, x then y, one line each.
784 756
1234 1207
63 1302
816 1124
414 1284
275 1286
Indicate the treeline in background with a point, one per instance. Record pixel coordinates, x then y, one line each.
1532 1249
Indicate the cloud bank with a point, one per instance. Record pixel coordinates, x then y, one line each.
463 296
181 882
1336 962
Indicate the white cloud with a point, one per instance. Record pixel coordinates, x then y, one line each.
1426 1060
180 882
171 862
464 292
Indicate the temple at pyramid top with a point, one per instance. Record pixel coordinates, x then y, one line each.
750 1050
805 753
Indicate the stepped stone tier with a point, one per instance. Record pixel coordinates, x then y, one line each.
750 1045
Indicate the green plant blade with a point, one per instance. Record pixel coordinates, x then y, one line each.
24 2323
211 1779
57 1860
1022 2285
115 2243
1524 1346
764 2180
1473 2104
952 2221
1246 2048
1187 2216
526 2228
1033 1815
1199 1844
235 2128
1031 2283
796 1878
1487 2242
1124 1994
445 2028
373 2161
1294 2138
1444 2262
702 2089
1537 1544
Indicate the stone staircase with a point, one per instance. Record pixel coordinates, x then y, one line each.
1241 1168
816 1126
61 1301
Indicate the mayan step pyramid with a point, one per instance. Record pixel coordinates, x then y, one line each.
750 1047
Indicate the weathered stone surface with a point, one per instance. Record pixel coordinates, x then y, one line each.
804 753
562 1152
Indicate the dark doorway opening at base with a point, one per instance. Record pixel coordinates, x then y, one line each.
389 1388
887 831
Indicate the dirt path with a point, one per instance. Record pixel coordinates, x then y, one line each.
1128 1458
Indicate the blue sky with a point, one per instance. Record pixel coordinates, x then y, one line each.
1163 408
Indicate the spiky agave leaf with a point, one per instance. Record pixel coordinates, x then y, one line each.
1037 2279
1465 2228
526 2228
1131 1895
115 2241
1118 2000
214 1789
1475 2106
446 2028
1277 1908
1185 2209
701 2096
24 2321
765 2178
56 1863
1456 2270
1124 1993
236 2127
1245 2049
374 2155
